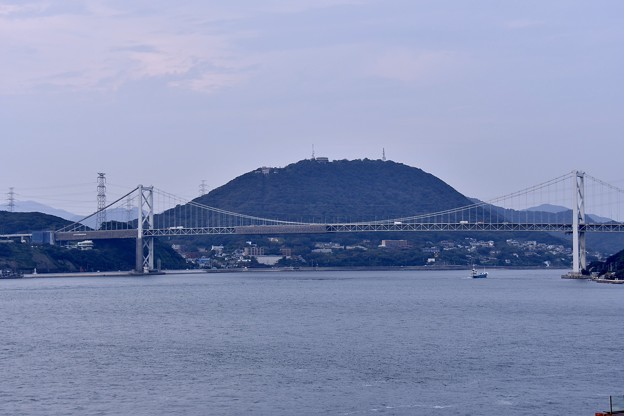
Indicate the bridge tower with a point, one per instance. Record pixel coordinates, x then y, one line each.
145 220
579 257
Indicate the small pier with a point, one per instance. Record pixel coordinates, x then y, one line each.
576 276
611 281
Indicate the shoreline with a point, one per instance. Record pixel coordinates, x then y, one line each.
119 273
131 273
371 269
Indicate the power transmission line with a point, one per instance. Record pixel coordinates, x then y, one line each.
11 199
203 188
101 200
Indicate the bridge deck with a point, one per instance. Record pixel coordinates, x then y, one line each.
94 235
338 228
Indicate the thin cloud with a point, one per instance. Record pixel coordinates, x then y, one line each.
104 49
209 82
409 66
98 45
290 6
14 10
523 23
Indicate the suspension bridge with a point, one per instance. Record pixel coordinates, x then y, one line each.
160 214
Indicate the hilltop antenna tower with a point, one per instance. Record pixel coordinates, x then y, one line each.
101 201
11 199
383 154
313 157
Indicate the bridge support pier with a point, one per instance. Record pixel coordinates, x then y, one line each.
579 254
145 220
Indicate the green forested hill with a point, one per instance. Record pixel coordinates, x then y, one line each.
612 266
355 190
350 191
107 255
26 222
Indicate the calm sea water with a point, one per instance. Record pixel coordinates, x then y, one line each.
311 343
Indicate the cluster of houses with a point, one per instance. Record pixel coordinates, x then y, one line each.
468 249
485 252
217 257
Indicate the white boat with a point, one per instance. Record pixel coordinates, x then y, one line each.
478 275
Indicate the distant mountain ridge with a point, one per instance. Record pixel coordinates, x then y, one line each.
553 209
33 206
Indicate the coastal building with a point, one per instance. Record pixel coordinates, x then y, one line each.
253 251
84 245
268 260
395 244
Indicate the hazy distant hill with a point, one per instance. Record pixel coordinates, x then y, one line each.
115 214
357 190
33 206
548 208
555 209
603 242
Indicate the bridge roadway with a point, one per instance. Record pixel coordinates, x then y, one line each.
336 228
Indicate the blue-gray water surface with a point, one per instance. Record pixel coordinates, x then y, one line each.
310 343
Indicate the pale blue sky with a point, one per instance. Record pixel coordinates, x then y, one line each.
490 96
